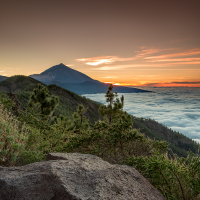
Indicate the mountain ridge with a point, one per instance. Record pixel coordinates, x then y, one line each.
73 80
76 81
62 74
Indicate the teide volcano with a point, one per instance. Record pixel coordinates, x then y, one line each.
76 81
63 74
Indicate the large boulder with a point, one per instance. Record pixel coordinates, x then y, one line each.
74 176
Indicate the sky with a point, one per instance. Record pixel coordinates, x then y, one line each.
125 42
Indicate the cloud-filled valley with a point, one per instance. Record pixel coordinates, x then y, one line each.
177 108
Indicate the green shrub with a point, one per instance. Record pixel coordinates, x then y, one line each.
113 142
177 179
29 156
12 138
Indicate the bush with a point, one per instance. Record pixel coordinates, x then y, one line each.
12 138
113 142
177 179
29 156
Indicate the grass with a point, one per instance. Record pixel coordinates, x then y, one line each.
13 137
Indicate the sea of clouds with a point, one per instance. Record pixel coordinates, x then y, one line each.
176 108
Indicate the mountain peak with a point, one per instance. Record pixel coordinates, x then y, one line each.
61 64
57 66
63 74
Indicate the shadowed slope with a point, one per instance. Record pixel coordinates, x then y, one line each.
18 83
22 87
2 78
89 87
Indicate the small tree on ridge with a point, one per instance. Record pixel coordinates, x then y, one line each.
114 105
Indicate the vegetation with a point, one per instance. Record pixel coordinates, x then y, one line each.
13 137
178 143
19 83
22 87
69 102
177 178
114 107
41 98
112 137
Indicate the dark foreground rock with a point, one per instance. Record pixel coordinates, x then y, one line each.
74 176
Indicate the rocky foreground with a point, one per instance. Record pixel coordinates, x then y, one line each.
74 176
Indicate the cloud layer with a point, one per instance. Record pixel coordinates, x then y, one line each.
177 108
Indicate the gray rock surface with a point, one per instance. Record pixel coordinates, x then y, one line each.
74 176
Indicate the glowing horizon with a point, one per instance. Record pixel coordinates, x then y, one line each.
157 84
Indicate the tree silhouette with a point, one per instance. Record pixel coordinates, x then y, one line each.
114 107
80 122
47 103
81 111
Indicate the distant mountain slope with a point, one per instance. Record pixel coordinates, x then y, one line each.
62 74
77 82
89 87
2 78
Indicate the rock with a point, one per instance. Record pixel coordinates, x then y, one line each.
74 176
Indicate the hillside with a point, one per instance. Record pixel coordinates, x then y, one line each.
22 87
178 142
69 102
18 83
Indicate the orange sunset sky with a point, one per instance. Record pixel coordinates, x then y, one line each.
126 42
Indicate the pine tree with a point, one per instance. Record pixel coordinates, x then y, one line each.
114 107
80 122
47 103
81 111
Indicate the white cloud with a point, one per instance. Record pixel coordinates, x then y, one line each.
119 67
177 108
103 60
110 77
197 140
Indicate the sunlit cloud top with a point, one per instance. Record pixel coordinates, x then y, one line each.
146 51
103 60
118 67
110 77
69 65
